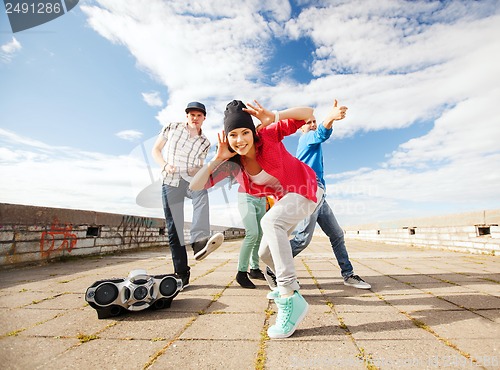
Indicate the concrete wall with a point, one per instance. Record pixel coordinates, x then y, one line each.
36 234
475 232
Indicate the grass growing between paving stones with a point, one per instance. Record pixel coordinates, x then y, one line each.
215 297
84 338
422 325
37 301
167 346
491 280
366 358
448 282
14 333
158 339
212 270
260 360
473 310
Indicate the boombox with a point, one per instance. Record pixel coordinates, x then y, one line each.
137 292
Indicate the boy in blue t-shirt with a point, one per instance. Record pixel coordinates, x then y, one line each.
310 152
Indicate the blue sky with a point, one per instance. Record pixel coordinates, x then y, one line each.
83 97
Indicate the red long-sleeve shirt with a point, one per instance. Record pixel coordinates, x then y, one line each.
293 175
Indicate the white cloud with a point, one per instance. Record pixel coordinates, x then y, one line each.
210 52
153 99
405 62
452 168
9 49
37 174
12 139
129 135
446 70
468 130
392 36
399 72
467 184
393 63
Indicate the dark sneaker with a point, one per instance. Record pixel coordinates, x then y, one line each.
244 281
204 247
291 311
270 278
356 282
185 279
198 246
256 274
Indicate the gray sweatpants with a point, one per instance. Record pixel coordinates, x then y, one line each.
277 225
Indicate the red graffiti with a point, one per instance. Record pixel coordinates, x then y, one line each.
49 238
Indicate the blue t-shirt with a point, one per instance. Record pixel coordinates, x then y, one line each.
309 149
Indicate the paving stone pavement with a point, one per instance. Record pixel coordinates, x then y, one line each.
427 309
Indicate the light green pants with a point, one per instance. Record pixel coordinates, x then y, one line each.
252 209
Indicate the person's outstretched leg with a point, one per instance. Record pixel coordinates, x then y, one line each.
248 206
203 244
173 206
276 225
304 232
328 223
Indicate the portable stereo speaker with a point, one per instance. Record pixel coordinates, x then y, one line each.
137 292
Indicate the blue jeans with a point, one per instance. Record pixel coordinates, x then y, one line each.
173 206
323 215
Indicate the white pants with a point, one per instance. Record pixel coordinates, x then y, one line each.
277 225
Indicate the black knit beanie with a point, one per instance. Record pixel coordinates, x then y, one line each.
235 117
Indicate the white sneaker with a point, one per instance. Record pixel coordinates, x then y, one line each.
213 243
356 282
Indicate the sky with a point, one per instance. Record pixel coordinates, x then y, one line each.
83 97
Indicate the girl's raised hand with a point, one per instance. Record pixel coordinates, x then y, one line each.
223 152
262 114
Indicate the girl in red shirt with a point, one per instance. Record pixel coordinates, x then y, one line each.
261 164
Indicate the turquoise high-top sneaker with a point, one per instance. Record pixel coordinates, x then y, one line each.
291 311
273 294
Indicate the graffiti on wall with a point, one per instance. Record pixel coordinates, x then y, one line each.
134 230
9 251
58 238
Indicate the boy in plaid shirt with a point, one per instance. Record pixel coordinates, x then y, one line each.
180 150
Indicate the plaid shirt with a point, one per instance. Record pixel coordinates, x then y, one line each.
182 151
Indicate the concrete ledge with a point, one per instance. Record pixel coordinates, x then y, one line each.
473 232
14 214
36 234
484 217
